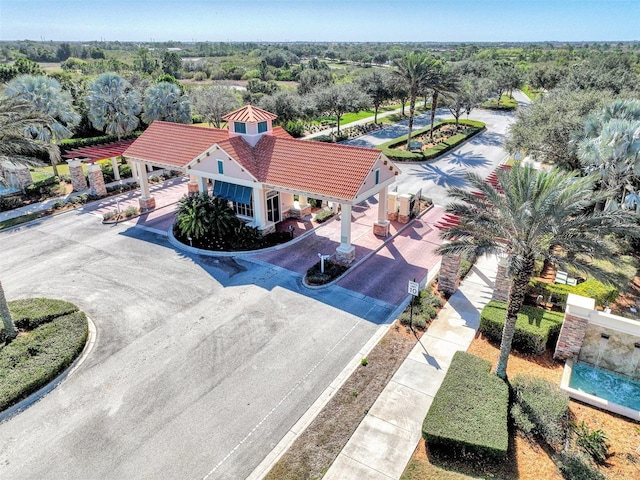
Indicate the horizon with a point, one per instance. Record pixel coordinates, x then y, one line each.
332 21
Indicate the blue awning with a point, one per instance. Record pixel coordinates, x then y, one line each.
233 192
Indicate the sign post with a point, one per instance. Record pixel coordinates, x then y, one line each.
414 290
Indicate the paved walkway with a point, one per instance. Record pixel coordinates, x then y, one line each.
387 437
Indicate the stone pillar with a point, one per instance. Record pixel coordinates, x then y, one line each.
116 171
78 181
404 207
381 227
392 206
502 286
346 252
96 180
448 276
147 202
192 186
574 326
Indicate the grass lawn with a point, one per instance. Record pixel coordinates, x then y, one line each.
37 356
530 92
506 103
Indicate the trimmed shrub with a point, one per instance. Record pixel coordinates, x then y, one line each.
324 215
601 293
9 203
44 187
540 408
535 327
33 360
28 313
468 415
576 466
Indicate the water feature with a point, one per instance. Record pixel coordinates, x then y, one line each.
610 386
7 190
602 344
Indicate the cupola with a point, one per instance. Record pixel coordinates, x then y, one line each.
250 123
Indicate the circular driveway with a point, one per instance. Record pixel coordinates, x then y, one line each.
200 366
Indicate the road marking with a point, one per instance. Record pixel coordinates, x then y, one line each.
288 394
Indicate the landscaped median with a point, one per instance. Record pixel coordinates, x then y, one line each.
52 335
391 149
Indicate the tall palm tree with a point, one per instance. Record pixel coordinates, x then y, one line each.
530 212
414 69
164 101
114 105
16 115
47 96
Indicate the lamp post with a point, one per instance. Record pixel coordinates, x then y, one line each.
322 259
190 241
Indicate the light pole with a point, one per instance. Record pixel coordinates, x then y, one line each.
322 259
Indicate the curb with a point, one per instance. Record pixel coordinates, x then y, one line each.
70 370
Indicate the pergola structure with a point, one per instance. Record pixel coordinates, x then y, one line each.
260 169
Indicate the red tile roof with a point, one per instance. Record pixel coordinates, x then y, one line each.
173 144
99 152
249 113
277 159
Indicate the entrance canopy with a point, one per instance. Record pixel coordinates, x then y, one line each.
230 191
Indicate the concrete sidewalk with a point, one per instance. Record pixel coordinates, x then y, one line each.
387 437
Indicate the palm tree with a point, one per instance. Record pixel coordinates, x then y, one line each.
46 96
113 105
611 145
414 69
530 212
164 101
16 116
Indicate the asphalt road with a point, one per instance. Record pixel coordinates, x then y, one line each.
199 369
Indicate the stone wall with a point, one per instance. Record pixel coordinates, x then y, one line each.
16 176
615 351
571 336
96 180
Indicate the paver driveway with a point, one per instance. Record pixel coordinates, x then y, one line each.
199 368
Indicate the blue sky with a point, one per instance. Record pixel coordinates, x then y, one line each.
321 20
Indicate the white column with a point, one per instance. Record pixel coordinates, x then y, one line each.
147 202
116 171
382 206
149 168
202 185
346 252
259 208
134 171
144 183
381 227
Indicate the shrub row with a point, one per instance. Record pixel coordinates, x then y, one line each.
425 309
540 408
433 152
324 215
10 202
43 187
468 415
80 199
535 327
71 143
29 313
603 294
33 360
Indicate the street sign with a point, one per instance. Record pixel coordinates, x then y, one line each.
414 288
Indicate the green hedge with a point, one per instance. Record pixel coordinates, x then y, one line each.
43 186
469 412
31 361
433 152
603 294
324 215
28 313
535 327
71 143
540 408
